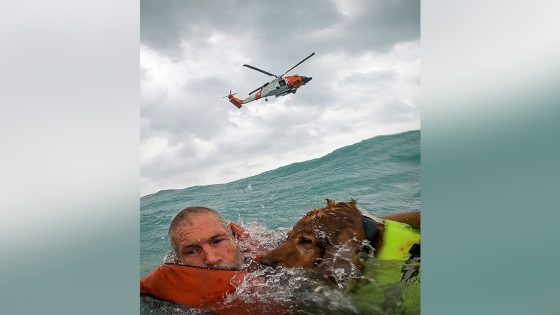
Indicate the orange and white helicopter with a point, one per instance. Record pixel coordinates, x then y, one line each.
278 87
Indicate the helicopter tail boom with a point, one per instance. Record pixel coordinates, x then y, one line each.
234 100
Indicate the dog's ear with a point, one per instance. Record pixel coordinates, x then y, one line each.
330 203
340 260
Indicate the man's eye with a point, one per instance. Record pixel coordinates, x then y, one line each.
191 252
218 241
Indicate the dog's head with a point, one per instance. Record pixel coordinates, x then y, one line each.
325 239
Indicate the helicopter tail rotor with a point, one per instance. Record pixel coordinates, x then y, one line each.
227 96
234 100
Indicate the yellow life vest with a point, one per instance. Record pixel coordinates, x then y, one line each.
398 239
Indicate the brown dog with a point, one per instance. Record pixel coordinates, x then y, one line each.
330 240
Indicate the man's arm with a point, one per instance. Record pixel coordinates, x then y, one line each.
410 218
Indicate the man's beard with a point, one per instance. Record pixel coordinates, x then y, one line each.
224 266
171 258
232 266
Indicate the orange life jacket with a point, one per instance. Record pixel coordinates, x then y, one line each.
199 287
204 289
193 286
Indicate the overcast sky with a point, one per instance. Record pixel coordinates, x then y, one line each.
366 82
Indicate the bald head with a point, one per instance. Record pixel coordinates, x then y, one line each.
186 215
200 237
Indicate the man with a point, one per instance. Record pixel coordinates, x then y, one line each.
200 237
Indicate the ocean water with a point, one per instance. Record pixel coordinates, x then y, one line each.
381 173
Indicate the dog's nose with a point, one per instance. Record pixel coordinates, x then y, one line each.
269 262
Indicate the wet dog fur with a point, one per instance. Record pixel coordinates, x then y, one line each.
330 240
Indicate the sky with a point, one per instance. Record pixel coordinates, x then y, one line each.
366 82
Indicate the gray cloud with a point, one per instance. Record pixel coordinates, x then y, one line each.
277 28
365 82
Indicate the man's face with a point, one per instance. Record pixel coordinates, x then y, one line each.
204 241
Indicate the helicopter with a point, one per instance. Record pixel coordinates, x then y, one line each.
280 86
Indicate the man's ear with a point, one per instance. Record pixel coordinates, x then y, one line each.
238 232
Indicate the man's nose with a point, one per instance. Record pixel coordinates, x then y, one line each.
212 258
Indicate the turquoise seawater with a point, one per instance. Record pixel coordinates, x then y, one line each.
381 173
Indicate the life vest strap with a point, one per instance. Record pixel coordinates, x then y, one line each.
371 230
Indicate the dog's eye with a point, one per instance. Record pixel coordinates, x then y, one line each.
305 241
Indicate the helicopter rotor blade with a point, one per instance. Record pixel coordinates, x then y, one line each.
299 63
260 87
259 70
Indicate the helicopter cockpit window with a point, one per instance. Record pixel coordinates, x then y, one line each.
282 82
